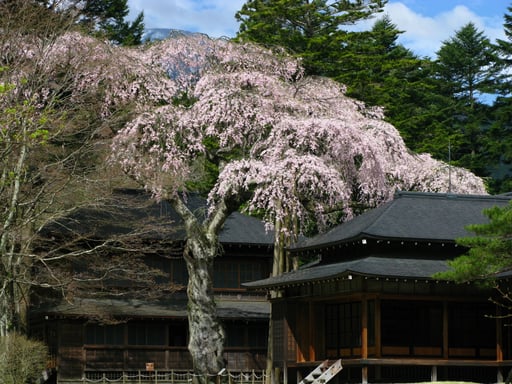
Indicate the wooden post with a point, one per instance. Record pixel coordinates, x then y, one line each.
445 330
499 343
364 338
499 334
364 328
311 332
378 330
378 336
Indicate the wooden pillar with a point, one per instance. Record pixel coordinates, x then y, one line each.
364 338
364 328
499 334
499 343
445 330
378 337
378 330
301 328
312 332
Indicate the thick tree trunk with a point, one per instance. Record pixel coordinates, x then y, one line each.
270 353
278 268
206 336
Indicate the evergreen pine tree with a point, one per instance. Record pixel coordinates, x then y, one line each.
310 29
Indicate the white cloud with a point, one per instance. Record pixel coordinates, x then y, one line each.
424 35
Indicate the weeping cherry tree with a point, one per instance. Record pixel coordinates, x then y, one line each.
249 127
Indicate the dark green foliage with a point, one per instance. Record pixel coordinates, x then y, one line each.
500 133
490 251
499 145
504 49
464 70
466 63
374 59
107 18
310 29
379 71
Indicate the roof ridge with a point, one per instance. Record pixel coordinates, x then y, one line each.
450 195
381 210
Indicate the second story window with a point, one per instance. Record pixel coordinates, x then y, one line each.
232 273
228 273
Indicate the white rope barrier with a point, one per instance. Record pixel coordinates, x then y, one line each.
170 377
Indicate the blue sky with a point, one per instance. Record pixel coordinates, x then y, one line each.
426 23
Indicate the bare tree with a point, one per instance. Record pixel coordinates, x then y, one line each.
55 126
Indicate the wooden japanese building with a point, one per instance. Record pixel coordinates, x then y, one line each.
372 301
154 330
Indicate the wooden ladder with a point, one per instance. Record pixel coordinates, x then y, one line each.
323 373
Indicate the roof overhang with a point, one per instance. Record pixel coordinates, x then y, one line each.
372 266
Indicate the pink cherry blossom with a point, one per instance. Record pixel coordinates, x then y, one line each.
297 144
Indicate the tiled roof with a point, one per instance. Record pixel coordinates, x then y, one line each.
390 266
227 308
243 229
413 216
130 209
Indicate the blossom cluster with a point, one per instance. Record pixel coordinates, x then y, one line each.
296 145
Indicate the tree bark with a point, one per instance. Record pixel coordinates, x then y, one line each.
278 268
206 336
10 320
